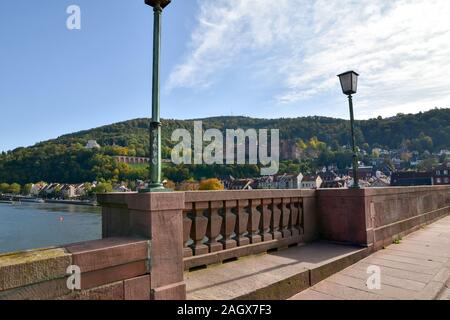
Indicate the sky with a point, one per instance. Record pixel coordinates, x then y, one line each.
219 57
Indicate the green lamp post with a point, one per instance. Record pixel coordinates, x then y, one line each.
349 84
155 183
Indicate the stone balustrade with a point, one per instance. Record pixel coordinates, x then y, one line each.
219 226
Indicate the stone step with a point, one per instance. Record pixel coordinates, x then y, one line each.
277 275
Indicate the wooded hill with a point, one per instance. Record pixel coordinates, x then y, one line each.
66 160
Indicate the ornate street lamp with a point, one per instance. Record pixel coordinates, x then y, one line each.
155 183
349 83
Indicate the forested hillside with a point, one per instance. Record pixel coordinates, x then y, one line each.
66 160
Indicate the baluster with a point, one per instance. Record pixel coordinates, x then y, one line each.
187 224
242 222
198 230
214 226
294 217
286 216
228 225
301 217
266 215
254 221
276 219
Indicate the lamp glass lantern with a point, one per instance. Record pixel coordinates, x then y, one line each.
349 82
154 3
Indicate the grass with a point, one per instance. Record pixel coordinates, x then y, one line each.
398 240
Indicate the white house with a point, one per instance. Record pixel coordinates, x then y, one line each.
311 182
36 189
68 191
288 181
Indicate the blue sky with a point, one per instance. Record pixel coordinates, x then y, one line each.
220 57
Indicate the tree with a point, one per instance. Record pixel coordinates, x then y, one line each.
103 187
15 188
189 185
168 184
4 187
427 164
211 184
375 153
423 143
26 190
406 156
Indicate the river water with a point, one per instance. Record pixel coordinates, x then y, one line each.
34 225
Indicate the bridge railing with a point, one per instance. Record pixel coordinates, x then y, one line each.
218 226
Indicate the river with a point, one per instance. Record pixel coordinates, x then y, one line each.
38 225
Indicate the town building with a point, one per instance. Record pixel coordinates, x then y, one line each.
68 191
328 176
121 189
381 182
240 184
288 181
37 188
335 184
265 182
444 152
364 172
311 182
411 178
441 175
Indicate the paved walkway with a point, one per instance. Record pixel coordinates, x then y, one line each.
416 268
277 275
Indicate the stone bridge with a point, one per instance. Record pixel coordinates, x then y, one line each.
166 245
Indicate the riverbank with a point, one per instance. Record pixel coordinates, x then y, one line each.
75 202
12 198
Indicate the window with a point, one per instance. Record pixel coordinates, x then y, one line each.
438 173
438 180
445 172
446 181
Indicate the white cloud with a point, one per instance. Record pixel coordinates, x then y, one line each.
400 47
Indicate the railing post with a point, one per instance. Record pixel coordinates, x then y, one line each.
159 218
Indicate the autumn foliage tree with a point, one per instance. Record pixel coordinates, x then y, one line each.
211 184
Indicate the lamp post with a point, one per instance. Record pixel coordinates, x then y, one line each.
349 84
155 183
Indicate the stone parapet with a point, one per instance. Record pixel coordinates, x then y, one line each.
377 217
106 267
